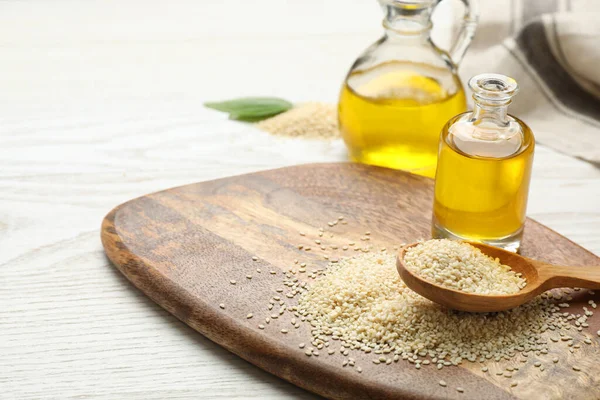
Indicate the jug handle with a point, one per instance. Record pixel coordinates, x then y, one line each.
467 31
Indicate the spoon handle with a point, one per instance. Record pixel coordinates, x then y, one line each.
564 276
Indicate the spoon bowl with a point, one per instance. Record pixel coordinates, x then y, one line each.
539 276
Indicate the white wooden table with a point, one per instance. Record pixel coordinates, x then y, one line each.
100 102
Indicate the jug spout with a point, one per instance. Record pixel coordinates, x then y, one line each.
408 16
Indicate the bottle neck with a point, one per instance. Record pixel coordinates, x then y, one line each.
497 113
403 22
491 122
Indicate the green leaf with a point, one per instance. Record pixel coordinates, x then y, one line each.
251 109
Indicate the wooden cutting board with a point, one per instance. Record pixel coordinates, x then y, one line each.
182 247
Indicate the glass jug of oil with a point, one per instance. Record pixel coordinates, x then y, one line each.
403 89
484 168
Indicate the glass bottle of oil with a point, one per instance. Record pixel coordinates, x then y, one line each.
484 168
403 89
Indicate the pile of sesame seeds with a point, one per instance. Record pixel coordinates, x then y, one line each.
357 305
362 302
308 120
460 266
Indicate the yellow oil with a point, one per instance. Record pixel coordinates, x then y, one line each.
483 198
392 115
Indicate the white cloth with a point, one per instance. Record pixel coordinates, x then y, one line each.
555 58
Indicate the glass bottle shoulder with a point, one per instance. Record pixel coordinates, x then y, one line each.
485 139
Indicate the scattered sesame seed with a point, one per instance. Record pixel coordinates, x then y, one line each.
358 369
254 258
514 384
325 305
460 390
284 331
222 306
233 282
576 368
443 383
261 326
248 276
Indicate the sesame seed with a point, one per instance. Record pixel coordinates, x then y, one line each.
248 276
233 282
358 369
443 383
364 314
576 368
261 326
460 390
514 384
284 331
460 266
254 258
222 306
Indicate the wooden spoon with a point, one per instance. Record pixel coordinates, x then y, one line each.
540 277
